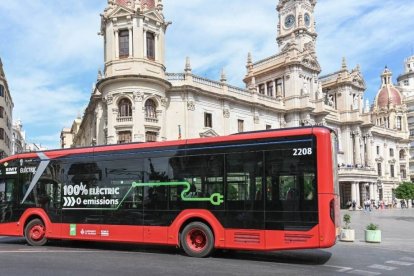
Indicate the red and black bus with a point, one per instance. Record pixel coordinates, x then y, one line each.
267 190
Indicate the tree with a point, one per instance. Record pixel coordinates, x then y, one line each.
405 191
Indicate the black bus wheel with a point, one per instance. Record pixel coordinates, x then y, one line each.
197 240
35 233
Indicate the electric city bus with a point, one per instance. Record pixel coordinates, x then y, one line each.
264 190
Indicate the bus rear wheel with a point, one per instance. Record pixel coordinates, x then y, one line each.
35 233
197 240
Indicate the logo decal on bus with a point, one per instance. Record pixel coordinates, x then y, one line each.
74 196
215 199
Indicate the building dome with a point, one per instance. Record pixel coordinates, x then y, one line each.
388 95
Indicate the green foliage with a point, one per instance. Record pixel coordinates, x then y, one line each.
372 226
405 191
347 220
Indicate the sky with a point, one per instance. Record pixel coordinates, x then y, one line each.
51 51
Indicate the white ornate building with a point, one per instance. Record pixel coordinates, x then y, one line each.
6 119
406 86
136 100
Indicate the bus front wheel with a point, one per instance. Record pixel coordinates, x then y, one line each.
197 240
35 233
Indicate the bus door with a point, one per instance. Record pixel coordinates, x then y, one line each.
81 198
7 199
10 206
123 204
244 190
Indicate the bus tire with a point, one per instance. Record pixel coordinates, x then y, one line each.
197 240
35 233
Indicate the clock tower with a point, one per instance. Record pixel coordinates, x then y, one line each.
296 24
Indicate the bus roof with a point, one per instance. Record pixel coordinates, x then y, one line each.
262 134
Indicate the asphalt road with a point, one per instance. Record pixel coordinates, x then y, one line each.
394 256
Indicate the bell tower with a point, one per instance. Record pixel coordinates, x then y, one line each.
296 23
134 38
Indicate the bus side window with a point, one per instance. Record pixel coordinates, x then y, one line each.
2 191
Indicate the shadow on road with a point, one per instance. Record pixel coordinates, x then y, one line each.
303 257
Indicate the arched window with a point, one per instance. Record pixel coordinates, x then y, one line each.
125 108
1 112
150 109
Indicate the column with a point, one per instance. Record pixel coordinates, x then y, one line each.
354 192
357 148
131 54
358 194
116 44
371 191
369 149
145 43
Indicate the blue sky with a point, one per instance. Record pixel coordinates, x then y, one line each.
51 51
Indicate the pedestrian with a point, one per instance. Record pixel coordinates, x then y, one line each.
353 204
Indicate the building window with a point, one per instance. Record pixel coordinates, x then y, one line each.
150 109
392 170
379 169
399 122
1 112
270 88
406 82
150 45
1 134
279 87
261 89
402 154
150 136
391 152
268 127
1 90
240 125
403 172
124 44
124 137
378 150
125 108
208 120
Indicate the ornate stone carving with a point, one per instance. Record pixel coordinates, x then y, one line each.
109 99
226 113
191 105
138 96
164 102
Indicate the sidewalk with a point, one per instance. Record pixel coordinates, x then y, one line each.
396 225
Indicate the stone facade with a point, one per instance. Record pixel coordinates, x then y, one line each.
406 86
135 100
6 112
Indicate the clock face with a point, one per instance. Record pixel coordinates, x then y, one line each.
289 21
307 20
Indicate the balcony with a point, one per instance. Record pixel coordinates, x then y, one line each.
151 120
124 119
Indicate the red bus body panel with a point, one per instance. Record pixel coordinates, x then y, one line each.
321 236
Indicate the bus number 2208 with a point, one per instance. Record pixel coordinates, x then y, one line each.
302 151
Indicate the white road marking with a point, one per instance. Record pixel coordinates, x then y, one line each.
399 263
363 272
341 268
383 267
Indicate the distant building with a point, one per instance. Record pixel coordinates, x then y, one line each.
19 138
135 100
6 119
